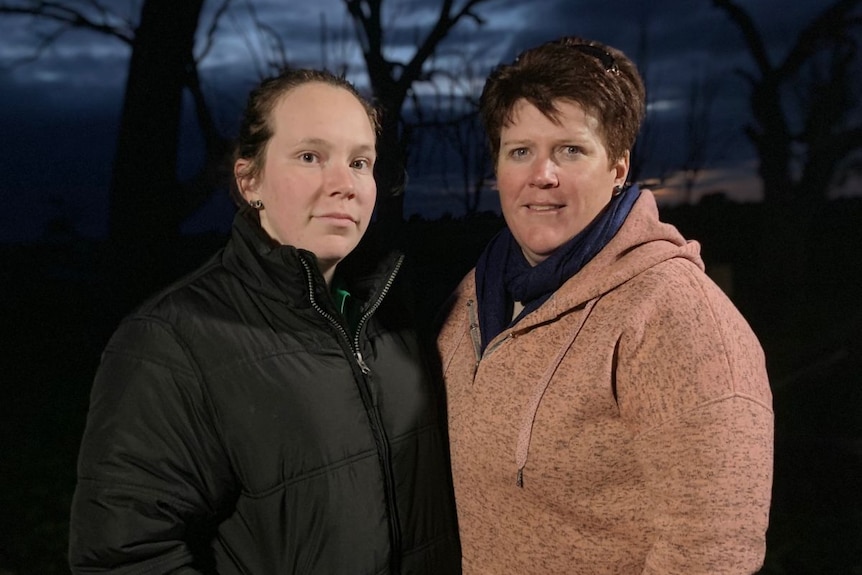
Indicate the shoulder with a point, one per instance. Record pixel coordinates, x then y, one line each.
685 337
679 287
454 308
454 317
677 302
190 290
164 325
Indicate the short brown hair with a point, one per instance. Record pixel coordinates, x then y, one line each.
603 80
256 128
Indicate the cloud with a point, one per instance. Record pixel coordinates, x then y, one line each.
64 106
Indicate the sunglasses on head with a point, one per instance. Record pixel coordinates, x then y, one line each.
603 56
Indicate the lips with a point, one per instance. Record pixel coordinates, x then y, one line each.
543 207
338 216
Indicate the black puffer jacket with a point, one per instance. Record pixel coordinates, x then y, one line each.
236 427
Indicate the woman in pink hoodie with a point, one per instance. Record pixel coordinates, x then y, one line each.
609 408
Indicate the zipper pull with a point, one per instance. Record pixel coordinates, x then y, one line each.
362 365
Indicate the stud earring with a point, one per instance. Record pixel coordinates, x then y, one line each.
256 204
618 190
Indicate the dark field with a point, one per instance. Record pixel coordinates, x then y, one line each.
58 311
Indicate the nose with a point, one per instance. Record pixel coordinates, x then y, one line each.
544 174
339 180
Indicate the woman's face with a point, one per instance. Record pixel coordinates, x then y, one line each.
317 183
553 178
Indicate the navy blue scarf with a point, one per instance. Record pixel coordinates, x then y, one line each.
503 275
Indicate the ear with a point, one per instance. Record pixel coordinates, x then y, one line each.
621 169
245 182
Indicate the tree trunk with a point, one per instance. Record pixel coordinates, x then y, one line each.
391 171
145 208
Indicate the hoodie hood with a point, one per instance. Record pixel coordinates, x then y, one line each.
641 243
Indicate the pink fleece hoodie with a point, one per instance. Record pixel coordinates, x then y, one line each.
624 427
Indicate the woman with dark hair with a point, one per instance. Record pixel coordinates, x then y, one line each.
273 412
609 409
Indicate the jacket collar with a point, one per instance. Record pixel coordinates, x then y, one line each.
282 272
268 268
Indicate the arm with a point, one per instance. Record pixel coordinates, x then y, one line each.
151 472
700 403
710 473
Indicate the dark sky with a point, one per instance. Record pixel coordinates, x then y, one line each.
58 114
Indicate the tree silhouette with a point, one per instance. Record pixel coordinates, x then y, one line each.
802 131
805 125
147 206
449 136
702 92
148 201
392 82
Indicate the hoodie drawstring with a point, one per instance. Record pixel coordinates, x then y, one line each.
526 432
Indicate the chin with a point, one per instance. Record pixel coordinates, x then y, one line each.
334 254
330 257
544 246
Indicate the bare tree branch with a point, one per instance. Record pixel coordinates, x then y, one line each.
104 21
750 34
829 26
773 133
392 83
210 34
702 95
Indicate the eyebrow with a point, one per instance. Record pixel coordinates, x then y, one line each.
519 142
569 140
361 148
314 141
366 149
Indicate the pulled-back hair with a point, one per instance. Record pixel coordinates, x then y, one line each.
256 128
601 79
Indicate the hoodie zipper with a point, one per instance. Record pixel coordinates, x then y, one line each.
476 337
378 429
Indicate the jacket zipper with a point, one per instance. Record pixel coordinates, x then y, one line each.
370 311
385 450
